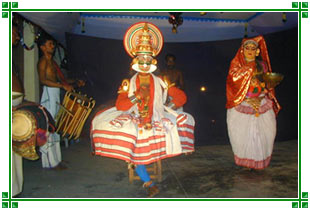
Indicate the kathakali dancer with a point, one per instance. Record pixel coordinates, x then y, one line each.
251 106
142 128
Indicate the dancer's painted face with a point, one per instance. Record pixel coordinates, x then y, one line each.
144 62
250 51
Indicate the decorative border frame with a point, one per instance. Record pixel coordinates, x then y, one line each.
300 7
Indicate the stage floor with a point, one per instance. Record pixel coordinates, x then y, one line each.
209 172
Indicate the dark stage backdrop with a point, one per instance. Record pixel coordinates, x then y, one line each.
104 64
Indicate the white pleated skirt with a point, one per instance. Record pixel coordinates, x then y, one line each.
251 137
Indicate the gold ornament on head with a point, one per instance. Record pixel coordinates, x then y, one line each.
143 41
144 45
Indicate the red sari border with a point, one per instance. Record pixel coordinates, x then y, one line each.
250 163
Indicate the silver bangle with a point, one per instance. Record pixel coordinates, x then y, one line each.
133 99
171 105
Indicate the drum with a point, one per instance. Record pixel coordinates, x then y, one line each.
31 124
23 125
72 114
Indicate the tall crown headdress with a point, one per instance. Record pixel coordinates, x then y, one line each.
143 42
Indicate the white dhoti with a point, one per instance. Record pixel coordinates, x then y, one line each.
51 153
252 137
17 174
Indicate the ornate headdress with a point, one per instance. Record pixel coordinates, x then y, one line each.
259 41
250 41
143 41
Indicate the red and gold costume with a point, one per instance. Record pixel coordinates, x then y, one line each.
251 107
142 128
241 73
122 132
123 103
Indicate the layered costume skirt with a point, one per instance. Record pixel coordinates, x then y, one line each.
252 137
117 134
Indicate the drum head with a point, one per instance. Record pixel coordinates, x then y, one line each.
23 125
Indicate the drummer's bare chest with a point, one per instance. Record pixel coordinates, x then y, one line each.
50 70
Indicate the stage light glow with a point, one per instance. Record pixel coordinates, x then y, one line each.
203 88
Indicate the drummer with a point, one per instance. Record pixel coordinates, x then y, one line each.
16 82
17 162
52 80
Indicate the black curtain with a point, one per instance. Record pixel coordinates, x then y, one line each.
103 63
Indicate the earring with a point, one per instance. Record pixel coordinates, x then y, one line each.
257 53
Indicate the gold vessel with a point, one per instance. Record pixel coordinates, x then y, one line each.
272 79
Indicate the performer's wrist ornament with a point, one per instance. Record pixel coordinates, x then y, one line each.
134 99
171 105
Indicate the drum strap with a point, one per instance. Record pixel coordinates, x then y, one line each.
60 74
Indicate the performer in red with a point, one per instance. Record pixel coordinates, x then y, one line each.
251 107
141 129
